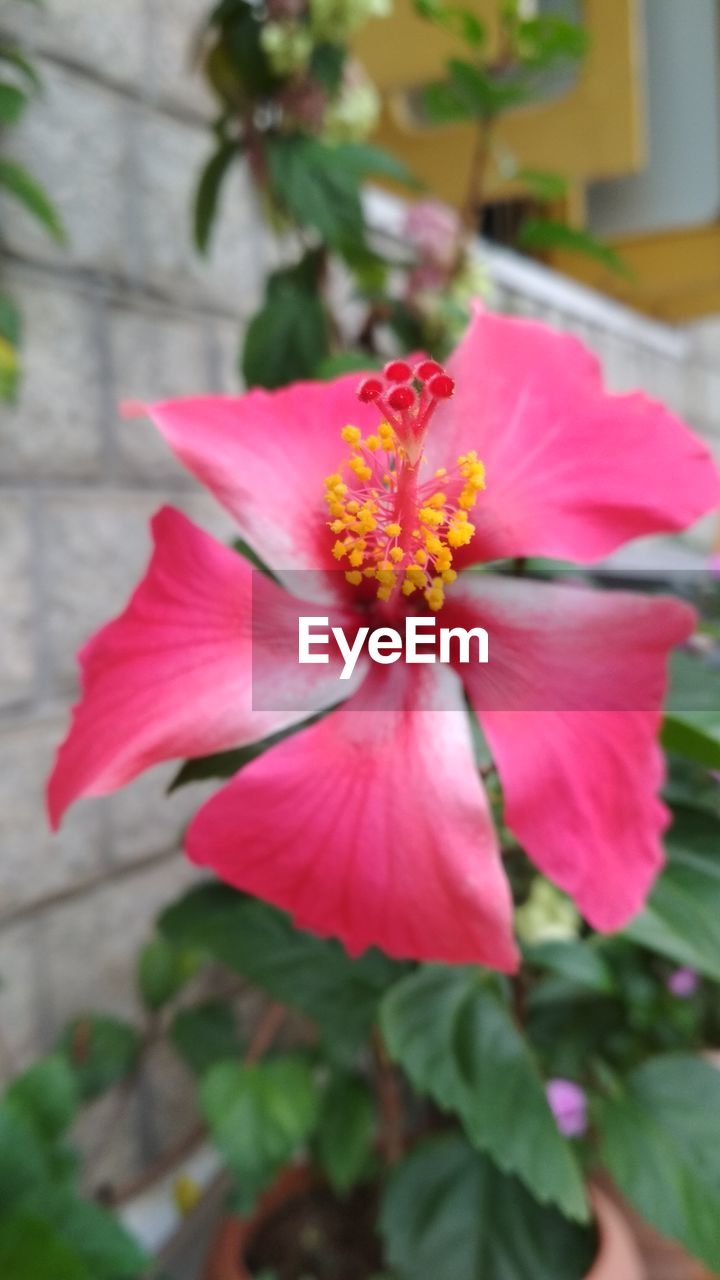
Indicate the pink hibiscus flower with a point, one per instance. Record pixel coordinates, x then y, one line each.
372 824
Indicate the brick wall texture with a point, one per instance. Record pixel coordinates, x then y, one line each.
128 310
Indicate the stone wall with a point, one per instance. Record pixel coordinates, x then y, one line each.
127 310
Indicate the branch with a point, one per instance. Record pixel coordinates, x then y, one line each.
391 1102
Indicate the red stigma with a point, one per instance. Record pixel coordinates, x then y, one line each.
401 398
441 385
369 389
425 370
397 371
406 409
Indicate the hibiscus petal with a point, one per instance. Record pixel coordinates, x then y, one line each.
371 826
572 471
172 676
570 704
264 456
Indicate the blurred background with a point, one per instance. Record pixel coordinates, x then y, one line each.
116 302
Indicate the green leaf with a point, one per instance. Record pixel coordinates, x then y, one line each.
470 94
548 39
453 1036
364 160
89 1231
47 1094
690 785
660 1141
101 1050
16 59
25 1159
9 372
580 962
162 971
541 234
682 917
485 94
311 974
15 179
460 22
244 549
504 1107
10 321
259 1116
313 188
225 764
208 192
31 1250
326 65
692 723
206 1034
417 1020
370 270
10 335
448 1212
348 362
442 103
289 336
13 102
542 183
343 1142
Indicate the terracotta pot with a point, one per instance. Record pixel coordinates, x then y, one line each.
663 1259
236 1234
618 1257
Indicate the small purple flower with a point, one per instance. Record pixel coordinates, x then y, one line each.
683 983
435 231
568 1103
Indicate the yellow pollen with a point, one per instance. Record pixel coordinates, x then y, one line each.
368 493
429 515
361 469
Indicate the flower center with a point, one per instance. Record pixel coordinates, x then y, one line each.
389 526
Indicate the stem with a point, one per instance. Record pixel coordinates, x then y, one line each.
265 1033
263 1036
390 1100
406 502
475 191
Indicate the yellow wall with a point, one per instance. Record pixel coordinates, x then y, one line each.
673 275
595 130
